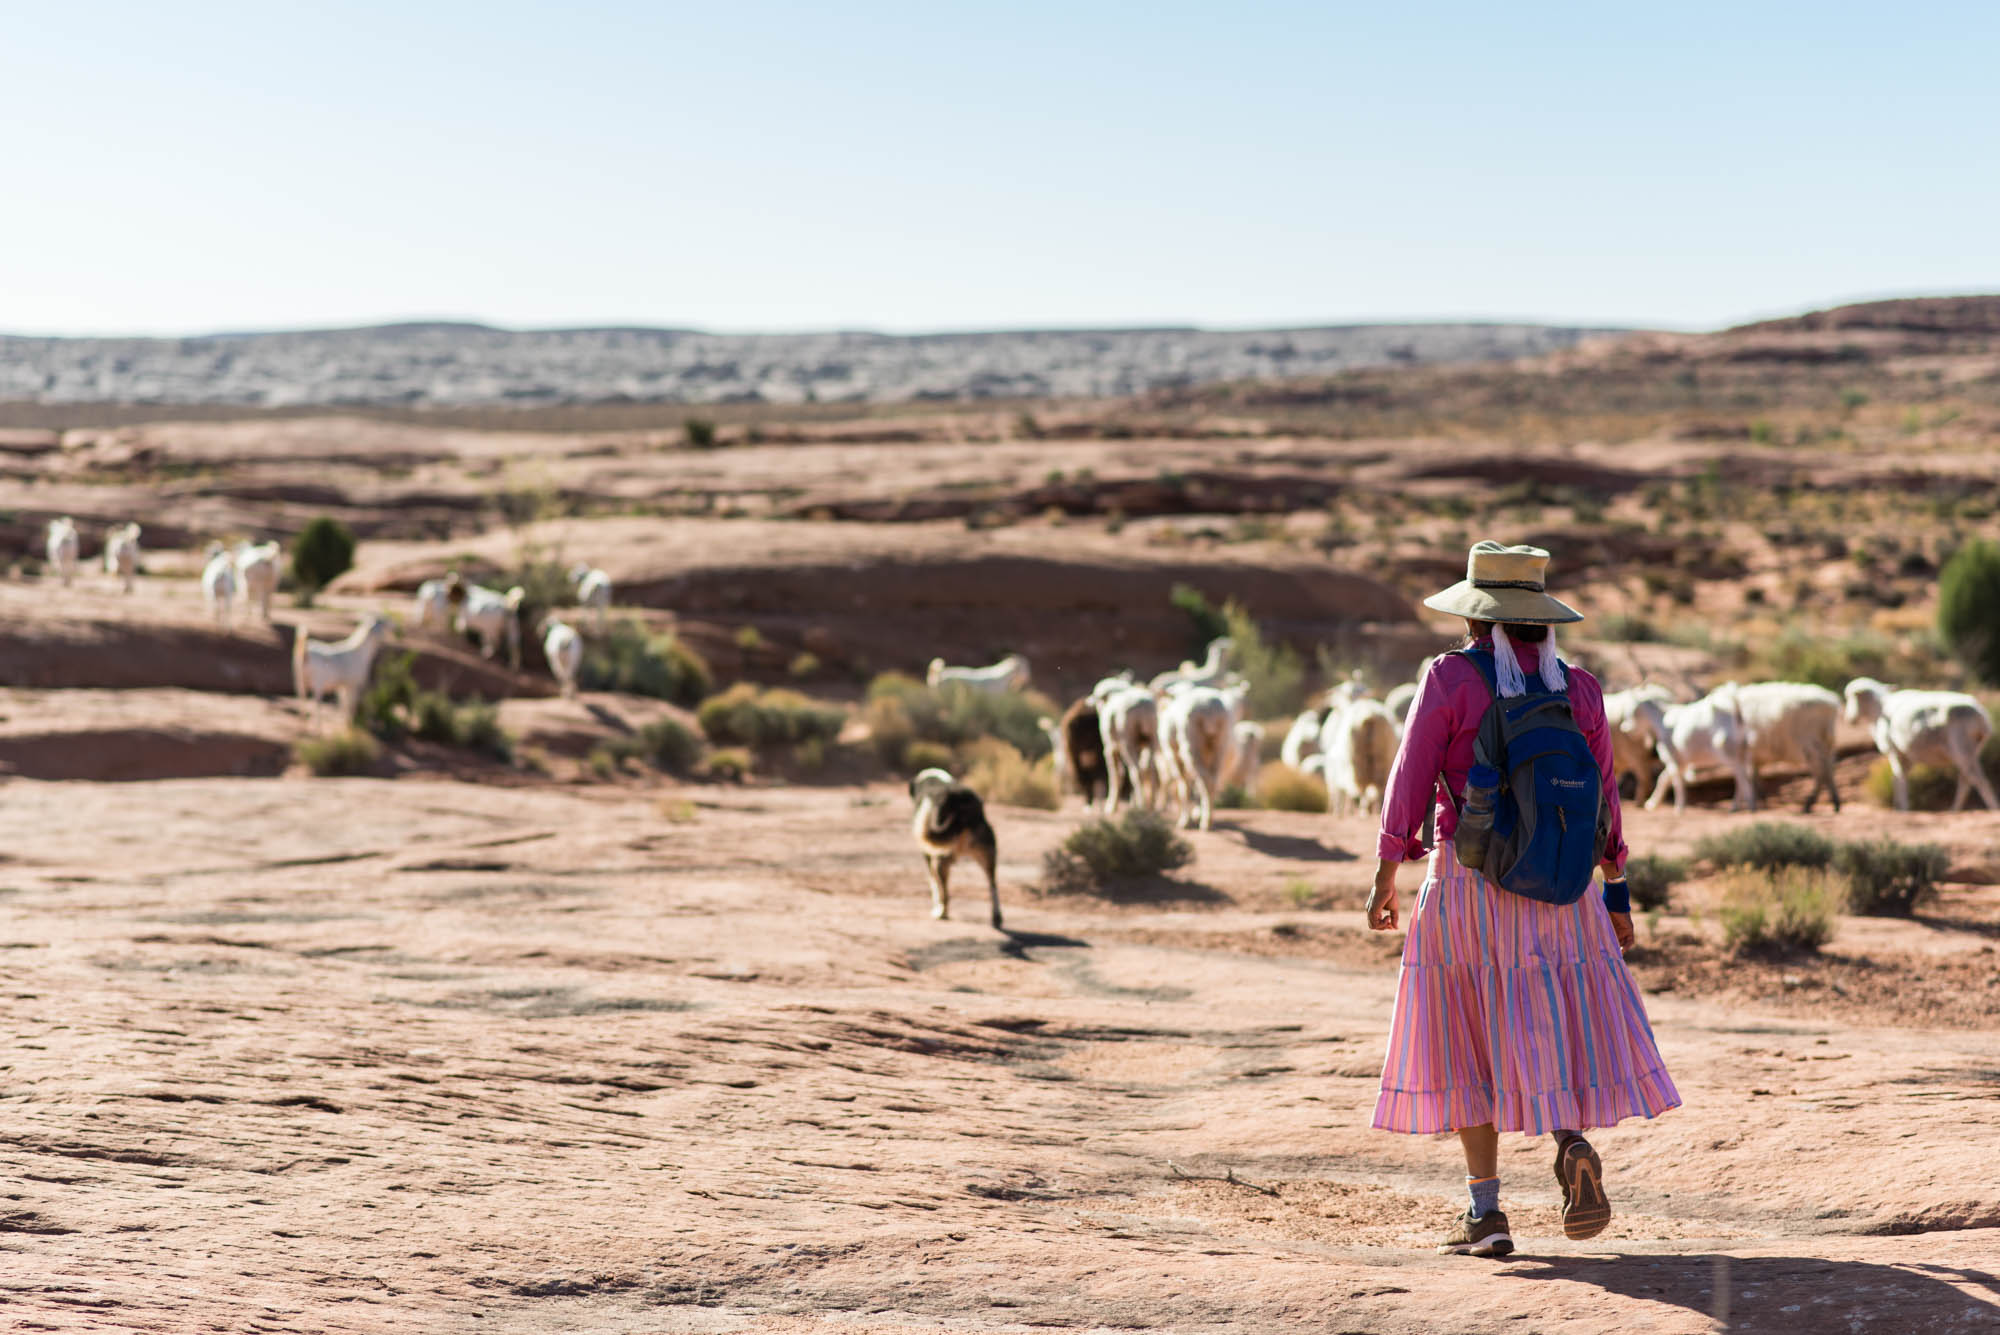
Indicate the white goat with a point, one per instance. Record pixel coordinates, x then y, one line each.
1108 686
434 605
218 583
1207 673
1009 674
121 554
1638 732
492 617
341 668
593 591
564 649
1197 732
1925 728
1359 741
1303 740
1129 722
1709 731
62 548
257 569
1398 701
1249 742
1792 723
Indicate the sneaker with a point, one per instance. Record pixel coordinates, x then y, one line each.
1586 1209
1485 1236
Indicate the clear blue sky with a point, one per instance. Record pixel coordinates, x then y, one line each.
747 165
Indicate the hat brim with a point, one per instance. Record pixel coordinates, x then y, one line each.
1522 606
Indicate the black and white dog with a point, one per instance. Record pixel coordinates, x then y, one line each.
950 824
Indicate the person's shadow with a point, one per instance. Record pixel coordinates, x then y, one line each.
1786 1295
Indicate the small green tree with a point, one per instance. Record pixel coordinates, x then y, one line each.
700 432
1969 608
322 553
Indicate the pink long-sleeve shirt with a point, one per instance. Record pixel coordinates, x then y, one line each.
1443 723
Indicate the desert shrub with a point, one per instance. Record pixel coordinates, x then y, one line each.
628 659
1282 788
602 762
902 709
1652 878
1103 852
1208 623
804 664
1767 846
1889 878
322 553
1969 608
349 751
1799 654
1300 893
1931 786
1276 673
1235 797
999 773
700 432
920 755
749 639
730 762
383 708
1792 909
747 716
1630 626
809 755
669 744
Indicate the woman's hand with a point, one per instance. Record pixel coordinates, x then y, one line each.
1382 899
1621 926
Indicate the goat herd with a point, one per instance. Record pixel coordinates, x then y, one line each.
1182 737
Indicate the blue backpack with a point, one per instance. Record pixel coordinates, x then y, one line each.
1550 818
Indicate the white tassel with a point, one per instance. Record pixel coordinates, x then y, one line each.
1553 677
1506 667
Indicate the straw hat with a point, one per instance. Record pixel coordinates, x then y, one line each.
1504 584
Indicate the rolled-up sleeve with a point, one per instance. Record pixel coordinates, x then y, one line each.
1413 779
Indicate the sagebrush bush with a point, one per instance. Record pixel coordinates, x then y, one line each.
1888 878
1276 673
1235 797
999 773
1652 879
902 709
1792 909
1104 852
747 716
627 659
1968 616
730 762
921 755
349 751
1767 846
669 744
322 553
1282 788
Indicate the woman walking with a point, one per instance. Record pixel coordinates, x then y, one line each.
1514 1010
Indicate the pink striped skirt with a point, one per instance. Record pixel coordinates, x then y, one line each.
1517 1013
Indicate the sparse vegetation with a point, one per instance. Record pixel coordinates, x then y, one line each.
1789 910
747 716
1276 673
349 751
1300 893
731 764
803 665
1767 846
700 433
921 755
1104 852
1652 879
1969 608
1282 788
322 553
999 773
630 660
1207 621
1887 878
902 710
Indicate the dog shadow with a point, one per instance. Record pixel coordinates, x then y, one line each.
609 718
1782 1295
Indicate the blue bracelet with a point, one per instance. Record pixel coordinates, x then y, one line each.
1618 896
